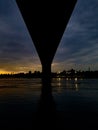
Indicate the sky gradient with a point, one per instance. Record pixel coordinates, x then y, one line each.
78 48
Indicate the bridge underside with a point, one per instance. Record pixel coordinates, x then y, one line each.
46 21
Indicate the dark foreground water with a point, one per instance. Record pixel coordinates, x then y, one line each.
64 104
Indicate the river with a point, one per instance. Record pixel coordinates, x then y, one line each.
63 103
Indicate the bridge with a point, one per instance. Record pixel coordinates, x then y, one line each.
46 21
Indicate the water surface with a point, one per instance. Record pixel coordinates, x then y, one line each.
65 103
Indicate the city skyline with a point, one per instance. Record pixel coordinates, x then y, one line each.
77 49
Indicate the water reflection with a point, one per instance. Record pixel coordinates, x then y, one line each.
39 103
46 114
60 85
76 86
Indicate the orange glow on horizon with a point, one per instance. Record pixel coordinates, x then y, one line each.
8 72
4 72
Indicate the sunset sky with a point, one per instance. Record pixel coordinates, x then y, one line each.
78 48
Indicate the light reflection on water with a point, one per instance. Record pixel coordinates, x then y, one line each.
19 98
30 88
75 91
75 84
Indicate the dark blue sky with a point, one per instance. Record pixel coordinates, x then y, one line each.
78 47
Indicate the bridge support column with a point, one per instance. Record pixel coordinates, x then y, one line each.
46 71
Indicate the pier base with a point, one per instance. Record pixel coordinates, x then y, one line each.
46 72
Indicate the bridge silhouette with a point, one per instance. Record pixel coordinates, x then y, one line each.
46 21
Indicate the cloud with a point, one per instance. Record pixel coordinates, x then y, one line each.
78 46
16 46
80 40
